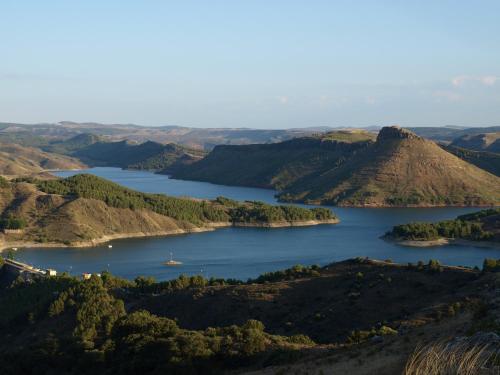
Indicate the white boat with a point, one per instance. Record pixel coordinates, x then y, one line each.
110 246
172 262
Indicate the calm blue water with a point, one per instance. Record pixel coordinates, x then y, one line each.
242 253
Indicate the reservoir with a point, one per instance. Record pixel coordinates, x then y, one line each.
248 252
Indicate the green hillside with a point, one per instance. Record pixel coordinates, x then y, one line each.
83 209
276 165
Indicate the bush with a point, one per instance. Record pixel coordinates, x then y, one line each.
491 265
12 223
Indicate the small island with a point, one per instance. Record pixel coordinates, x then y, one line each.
480 228
85 210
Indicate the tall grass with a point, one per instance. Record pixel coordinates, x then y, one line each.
467 356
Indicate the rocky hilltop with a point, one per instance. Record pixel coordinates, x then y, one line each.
400 169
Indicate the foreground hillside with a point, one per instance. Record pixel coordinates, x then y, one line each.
399 169
16 160
356 317
83 210
277 165
482 226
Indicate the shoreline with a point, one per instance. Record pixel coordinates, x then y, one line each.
442 242
285 224
206 228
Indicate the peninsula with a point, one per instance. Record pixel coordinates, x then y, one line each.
85 210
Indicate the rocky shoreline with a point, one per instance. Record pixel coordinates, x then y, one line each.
284 224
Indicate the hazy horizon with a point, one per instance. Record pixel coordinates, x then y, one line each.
260 64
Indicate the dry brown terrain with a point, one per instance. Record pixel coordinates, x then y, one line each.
16 160
401 169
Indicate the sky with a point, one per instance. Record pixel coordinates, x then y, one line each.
251 63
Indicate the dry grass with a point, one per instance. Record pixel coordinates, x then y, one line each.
467 356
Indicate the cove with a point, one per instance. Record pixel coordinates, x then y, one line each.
247 252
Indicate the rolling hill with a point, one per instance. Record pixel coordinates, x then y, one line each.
84 209
97 151
39 135
489 142
399 169
276 165
447 134
16 160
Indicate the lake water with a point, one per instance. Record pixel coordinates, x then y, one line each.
242 253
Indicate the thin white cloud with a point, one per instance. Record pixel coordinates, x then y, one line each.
485 80
489 80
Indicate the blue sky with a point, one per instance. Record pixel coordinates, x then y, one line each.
263 64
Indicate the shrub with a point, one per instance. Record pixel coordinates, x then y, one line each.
491 265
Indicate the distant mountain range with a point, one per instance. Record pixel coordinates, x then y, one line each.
38 135
352 167
489 142
201 138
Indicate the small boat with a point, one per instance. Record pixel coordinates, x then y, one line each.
14 248
110 246
172 262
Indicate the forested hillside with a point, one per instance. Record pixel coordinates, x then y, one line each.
83 209
479 226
